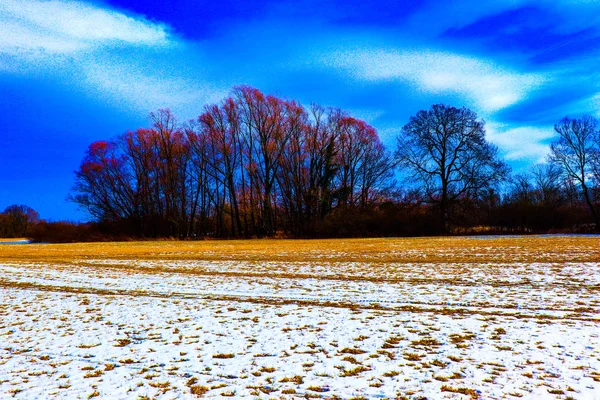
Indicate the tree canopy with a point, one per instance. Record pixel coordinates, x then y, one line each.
445 152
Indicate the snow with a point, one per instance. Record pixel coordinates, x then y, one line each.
169 329
5 241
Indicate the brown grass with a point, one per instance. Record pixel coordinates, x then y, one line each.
122 342
413 250
469 392
425 342
298 380
412 357
318 389
375 256
94 374
354 371
198 390
347 350
229 355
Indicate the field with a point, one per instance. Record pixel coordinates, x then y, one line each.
432 318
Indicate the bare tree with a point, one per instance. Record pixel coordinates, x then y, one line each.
575 152
103 186
220 124
16 220
547 183
445 151
521 188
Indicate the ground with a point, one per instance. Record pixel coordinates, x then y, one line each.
428 318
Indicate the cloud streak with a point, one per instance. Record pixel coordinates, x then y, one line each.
491 86
60 27
522 143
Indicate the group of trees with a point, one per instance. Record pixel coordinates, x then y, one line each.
253 165
565 191
257 165
460 174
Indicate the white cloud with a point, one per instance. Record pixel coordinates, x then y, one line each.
521 143
149 89
59 27
123 59
491 86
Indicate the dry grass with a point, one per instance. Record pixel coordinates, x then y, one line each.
403 261
374 260
444 249
228 355
460 339
348 350
298 380
467 391
318 389
94 374
412 357
198 390
354 371
122 342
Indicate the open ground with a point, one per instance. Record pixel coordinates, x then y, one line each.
490 318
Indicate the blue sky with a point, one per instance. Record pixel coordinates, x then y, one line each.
72 72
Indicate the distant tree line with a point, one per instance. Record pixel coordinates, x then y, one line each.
257 165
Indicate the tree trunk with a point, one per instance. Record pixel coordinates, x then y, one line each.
444 219
590 205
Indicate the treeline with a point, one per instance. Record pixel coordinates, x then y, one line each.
22 221
256 165
260 166
251 166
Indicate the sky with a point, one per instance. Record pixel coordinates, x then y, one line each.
73 72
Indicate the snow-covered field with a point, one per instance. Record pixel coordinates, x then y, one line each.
154 328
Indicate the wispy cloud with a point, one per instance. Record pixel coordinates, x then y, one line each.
527 143
125 59
59 27
491 86
151 87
